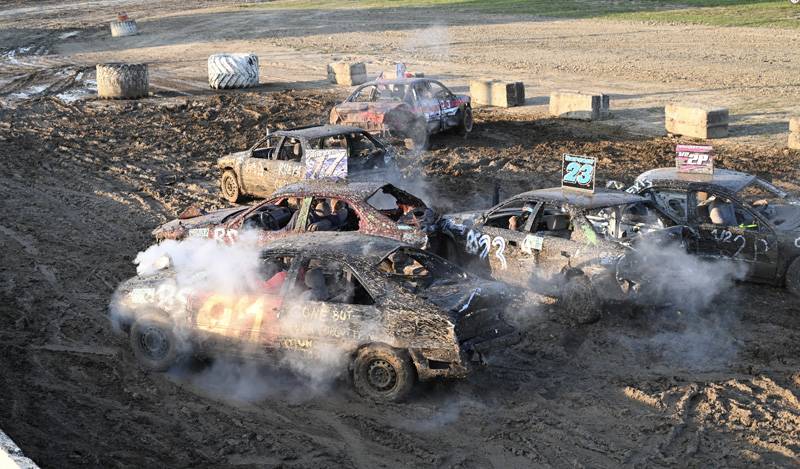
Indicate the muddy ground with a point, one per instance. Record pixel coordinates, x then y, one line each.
83 182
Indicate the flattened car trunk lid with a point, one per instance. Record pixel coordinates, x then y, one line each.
203 221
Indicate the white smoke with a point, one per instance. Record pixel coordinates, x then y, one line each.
203 269
673 276
692 317
206 263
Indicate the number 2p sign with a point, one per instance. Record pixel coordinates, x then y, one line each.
694 159
577 172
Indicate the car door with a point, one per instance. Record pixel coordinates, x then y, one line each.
735 234
258 170
428 104
499 240
670 201
447 103
248 319
330 307
555 246
287 165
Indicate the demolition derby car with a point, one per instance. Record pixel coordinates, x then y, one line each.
375 208
571 245
287 156
732 216
397 313
412 108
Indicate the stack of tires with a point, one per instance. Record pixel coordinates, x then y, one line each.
122 81
226 71
124 28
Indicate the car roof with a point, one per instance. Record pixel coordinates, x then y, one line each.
399 81
733 181
318 131
360 190
343 245
602 197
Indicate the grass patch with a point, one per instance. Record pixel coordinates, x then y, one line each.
773 13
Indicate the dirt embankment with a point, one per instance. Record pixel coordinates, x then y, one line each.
84 183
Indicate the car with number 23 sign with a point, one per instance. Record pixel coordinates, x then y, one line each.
574 245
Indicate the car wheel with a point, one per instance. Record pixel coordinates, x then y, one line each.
578 301
229 185
793 274
383 373
794 2
418 138
154 343
465 127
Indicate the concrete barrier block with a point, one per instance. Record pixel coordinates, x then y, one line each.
507 94
696 120
345 73
481 92
794 140
794 125
579 105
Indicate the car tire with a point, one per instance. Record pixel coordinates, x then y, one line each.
793 274
578 301
227 71
154 343
229 186
383 373
418 138
467 121
122 81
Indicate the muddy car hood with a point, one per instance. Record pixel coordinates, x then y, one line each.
232 159
457 223
477 307
178 228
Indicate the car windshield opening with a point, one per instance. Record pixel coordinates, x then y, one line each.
772 203
418 271
391 92
330 282
272 216
394 203
624 221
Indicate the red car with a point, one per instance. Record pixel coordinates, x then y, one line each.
412 108
374 208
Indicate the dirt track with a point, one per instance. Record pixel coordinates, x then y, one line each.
84 182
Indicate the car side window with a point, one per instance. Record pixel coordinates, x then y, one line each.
272 272
438 91
553 221
516 216
672 202
264 148
335 142
330 282
364 95
361 145
329 214
718 210
291 150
